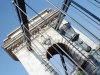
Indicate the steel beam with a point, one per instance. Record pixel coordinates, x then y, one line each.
63 64
61 16
23 20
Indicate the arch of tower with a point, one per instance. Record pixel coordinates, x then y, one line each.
43 41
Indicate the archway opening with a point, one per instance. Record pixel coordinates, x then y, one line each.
53 50
56 53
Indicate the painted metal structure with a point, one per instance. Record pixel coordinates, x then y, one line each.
39 39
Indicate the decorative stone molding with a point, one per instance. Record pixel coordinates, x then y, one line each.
11 44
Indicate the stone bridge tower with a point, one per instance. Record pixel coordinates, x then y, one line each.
44 42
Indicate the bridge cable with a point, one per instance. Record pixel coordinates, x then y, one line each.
85 19
75 21
85 14
71 58
40 16
97 1
16 19
93 3
26 28
88 12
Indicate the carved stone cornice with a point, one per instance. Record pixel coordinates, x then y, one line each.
11 43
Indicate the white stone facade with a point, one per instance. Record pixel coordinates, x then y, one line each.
35 61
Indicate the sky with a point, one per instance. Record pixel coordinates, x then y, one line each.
9 21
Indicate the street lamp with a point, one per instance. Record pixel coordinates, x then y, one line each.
69 32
